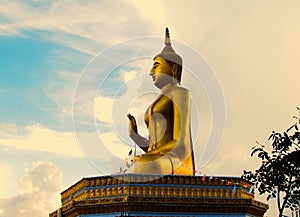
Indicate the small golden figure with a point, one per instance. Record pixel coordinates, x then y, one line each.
169 148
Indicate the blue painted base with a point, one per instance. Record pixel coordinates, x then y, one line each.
138 214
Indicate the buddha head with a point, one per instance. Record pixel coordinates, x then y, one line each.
167 66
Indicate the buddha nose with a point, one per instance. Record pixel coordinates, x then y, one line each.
151 72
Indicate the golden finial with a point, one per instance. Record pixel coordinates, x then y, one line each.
167 37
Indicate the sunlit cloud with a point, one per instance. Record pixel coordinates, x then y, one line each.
39 138
6 184
38 192
103 109
115 144
129 76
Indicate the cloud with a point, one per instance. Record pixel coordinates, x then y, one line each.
149 8
133 99
232 157
105 106
83 26
6 183
8 129
38 192
103 109
115 144
129 76
39 138
60 89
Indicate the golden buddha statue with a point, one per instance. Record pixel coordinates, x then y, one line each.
169 147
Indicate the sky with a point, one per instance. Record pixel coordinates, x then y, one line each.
72 70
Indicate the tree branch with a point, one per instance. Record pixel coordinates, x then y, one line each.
278 202
287 195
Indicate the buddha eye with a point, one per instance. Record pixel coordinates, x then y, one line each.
155 66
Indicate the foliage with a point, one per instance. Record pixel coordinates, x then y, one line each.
279 173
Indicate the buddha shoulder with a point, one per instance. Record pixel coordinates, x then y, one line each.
178 92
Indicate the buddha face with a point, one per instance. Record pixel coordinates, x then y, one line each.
161 73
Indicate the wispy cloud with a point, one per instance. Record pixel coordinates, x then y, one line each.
8 129
84 26
60 89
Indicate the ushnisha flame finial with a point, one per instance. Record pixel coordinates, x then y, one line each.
167 38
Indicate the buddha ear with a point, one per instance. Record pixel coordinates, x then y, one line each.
174 68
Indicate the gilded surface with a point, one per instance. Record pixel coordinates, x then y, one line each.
149 192
169 147
156 186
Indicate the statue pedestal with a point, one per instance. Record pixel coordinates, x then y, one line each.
159 195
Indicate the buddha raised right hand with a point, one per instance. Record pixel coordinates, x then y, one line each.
133 133
132 127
